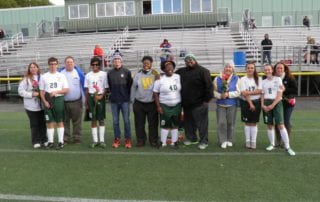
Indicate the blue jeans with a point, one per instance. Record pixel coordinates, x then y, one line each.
125 110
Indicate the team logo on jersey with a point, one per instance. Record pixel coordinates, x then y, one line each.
146 83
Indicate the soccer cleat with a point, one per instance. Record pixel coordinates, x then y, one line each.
94 145
128 144
36 146
203 146
291 152
60 145
102 145
270 148
229 144
50 145
224 145
248 145
188 142
116 143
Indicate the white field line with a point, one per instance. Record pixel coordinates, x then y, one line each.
62 199
158 153
262 129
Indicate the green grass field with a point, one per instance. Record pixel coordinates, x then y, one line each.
188 174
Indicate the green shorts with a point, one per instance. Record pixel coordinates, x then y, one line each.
56 112
171 116
97 110
275 115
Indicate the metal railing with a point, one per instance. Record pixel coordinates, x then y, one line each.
17 39
252 47
4 47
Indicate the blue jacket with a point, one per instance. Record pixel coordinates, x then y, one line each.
232 87
80 73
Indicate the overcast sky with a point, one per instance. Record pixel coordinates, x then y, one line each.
57 2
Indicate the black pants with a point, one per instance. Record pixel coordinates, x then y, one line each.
141 112
196 119
37 126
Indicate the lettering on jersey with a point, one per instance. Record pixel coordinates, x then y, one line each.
252 88
53 85
173 87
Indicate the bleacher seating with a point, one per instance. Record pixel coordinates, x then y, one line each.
212 47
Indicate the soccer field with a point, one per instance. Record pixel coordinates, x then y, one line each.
78 173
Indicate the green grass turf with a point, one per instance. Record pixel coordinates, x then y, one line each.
239 175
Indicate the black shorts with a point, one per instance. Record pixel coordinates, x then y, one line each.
247 115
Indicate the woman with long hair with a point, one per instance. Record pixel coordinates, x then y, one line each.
271 104
29 90
250 87
288 97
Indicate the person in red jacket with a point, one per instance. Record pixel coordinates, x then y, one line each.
98 52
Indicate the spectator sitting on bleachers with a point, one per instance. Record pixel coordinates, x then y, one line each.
166 54
165 44
306 22
314 51
2 33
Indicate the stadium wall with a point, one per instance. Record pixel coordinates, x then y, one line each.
26 19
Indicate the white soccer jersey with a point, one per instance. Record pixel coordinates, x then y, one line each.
99 79
169 89
50 82
249 84
270 88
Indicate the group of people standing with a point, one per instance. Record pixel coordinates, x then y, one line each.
160 98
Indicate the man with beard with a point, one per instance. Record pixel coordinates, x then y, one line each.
196 92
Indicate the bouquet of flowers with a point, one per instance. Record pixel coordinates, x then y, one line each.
225 87
96 102
35 86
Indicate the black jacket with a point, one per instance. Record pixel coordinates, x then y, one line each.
120 81
266 44
196 86
291 87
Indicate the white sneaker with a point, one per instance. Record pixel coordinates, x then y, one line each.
224 145
36 146
291 152
270 148
248 145
203 146
229 144
253 145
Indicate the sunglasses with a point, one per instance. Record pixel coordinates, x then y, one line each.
95 65
51 64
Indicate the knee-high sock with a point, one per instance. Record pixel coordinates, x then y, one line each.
285 137
164 135
254 132
174 135
101 133
60 134
271 136
50 134
94 132
247 133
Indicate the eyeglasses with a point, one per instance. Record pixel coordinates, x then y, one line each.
51 64
95 65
